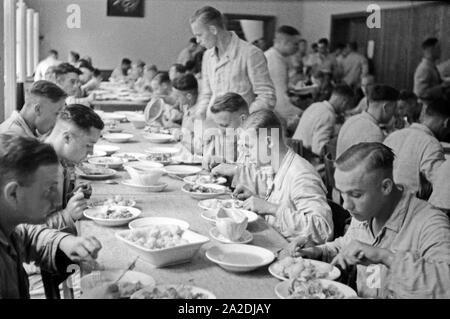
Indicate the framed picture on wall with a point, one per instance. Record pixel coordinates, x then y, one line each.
125 8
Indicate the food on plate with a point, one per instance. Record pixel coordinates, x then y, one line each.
114 213
116 200
168 292
87 190
297 267
126 156
313 289
206 179
157 236
196 188
126 288
158 157
106 160
92 170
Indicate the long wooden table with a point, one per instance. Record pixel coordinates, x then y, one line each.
174 203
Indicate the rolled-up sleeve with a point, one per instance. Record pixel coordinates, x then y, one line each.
40 244
308 215
259 76
425 273
62 220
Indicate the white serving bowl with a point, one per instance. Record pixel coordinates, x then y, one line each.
118 137
167 256
145 177
239 257
150 221
159 187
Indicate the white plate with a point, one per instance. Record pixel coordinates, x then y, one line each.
109 149
97 153
97 278
148 221
167 256
240 258
143 159
245 238
182 170
332 275
214 203
162 150
203 179
118 137
147 188
145 165
159 138
211 215
111 222
194 290
282 289
109 162
221 190
128 156
108 173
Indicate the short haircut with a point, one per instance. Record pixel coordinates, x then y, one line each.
429 43
353 45
180 68
66 68
54 52
229 102
75 55
380 92
151 67
193 40
438 107
85 64
48 90
323 41
314 46
126 61
162 77
262 119
82 116
190 65
288 30
209 16
97 72
405 95
343 90
21 157
375 156
185 82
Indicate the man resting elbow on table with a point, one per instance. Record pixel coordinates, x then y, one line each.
295 204
30 176
399 244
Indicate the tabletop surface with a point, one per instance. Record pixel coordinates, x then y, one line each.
174 203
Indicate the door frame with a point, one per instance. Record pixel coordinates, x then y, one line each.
269 23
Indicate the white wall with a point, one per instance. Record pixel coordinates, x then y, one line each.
157 38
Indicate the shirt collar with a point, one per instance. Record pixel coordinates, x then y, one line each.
395 222
421 127
369 116
18 118
230 51
329 106
284 165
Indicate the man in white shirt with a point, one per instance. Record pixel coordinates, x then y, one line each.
67 77
417 148
38 116
353 66
285 45
323 60
41 68
317 124
365 127
229 65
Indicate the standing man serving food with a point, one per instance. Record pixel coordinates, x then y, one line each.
229 65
